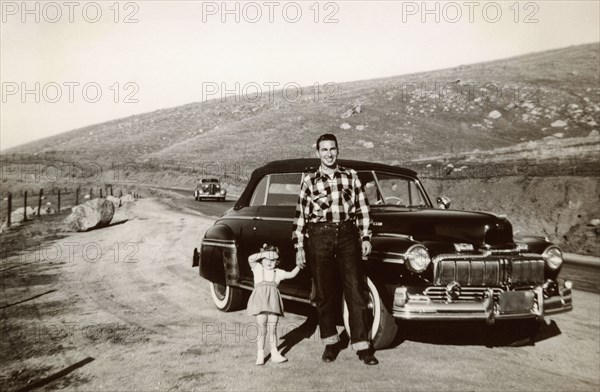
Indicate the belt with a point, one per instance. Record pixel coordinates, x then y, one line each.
332 224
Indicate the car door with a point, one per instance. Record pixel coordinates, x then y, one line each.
274 227
244 224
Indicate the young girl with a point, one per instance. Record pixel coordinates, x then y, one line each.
265 301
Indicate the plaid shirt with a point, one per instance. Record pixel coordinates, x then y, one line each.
325 199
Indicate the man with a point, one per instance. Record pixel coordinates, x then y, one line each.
332 215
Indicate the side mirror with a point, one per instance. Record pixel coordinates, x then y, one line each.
443 202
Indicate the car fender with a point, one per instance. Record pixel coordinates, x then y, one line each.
218 256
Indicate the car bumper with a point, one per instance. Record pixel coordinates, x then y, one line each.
508 305
207 196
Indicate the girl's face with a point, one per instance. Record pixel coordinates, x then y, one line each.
269 264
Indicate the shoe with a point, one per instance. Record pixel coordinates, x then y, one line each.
367 356
276 357
260 357
330 353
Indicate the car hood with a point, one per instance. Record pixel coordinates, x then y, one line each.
477 228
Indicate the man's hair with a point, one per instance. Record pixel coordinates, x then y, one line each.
327 136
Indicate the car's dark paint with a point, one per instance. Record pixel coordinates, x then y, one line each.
476 228
486 244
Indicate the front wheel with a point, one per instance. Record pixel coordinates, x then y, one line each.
226 298
383 330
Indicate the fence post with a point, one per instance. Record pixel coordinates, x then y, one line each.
101 193
58 206
111 191
91 193
40 201
77 196
25 206
9 206
120 192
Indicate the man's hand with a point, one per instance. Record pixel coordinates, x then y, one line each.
366 248
300 258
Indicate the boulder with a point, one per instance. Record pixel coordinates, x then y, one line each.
46 210
127 198
92 214
495 114
16 217
345 126
558 124
115 200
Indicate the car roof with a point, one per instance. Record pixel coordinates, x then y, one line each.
308 165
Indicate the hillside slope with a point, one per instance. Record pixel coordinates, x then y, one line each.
481 106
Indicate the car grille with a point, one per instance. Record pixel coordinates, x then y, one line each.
468 294
476 271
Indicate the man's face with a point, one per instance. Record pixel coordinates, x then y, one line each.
327 153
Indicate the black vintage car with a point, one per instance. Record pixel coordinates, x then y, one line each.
427 263
210 188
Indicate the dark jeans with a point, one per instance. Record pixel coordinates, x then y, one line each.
334 255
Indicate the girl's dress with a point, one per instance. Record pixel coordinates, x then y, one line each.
265 297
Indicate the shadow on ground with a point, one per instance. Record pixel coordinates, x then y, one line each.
514 333
502 334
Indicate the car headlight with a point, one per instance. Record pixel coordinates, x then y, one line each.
553 257
417 258
222 192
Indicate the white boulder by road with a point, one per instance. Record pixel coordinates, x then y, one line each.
92 214
115 200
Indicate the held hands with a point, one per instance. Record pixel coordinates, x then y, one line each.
366 248
300 258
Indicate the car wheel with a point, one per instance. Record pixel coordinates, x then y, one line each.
384 328
226 298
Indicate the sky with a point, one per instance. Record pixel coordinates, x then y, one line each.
69 64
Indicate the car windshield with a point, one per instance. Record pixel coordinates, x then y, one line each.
392 189
380 188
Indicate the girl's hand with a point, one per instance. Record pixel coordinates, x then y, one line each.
300 258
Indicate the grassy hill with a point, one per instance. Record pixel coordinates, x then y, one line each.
452 111
517 136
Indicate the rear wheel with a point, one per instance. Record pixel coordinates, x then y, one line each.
383 329
226 298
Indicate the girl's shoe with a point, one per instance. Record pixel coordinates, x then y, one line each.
276 357
260 357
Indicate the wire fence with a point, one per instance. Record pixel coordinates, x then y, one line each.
23 205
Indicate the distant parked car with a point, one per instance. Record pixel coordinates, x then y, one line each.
427 263
210 188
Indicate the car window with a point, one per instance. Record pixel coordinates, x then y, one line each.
400 191
284 189
369 186
258 197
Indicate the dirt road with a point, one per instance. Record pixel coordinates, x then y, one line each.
121 309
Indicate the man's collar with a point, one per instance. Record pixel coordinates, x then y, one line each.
338 169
